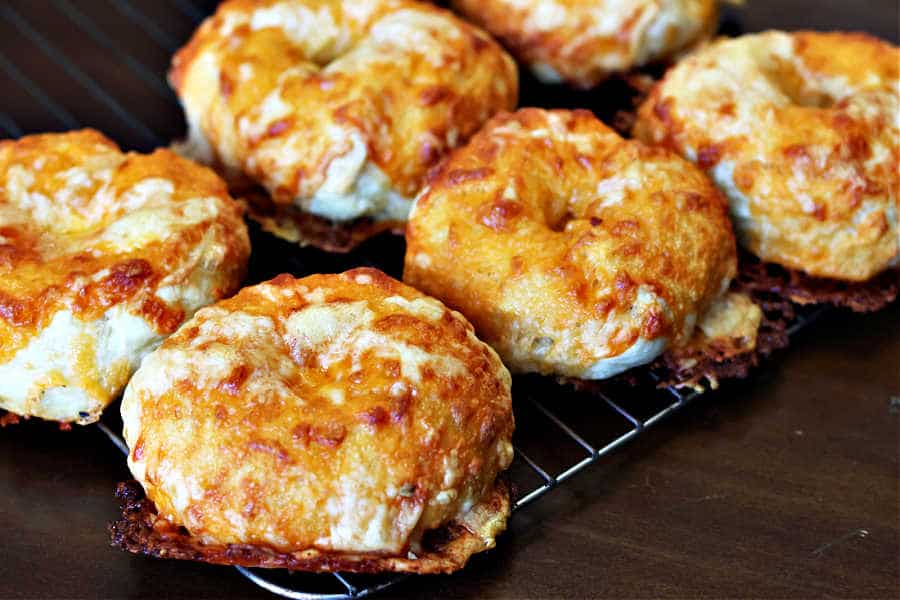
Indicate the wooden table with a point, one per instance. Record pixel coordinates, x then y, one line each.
785 485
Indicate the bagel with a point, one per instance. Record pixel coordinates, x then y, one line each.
800 130
337 108
102 254
330 422
582 42
573 251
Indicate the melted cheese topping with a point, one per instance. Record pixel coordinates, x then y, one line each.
734 316
102 254
729 328
573 251
345 413
338 108
582 43
802 132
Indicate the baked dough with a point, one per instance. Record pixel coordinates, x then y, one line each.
574 252
102 255
338 108
582 42
801 131
342 416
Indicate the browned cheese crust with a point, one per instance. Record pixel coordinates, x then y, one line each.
102 254
800 288
336 107
140 530
581 42
306 229
573 251
8 418
777 291
802 132
325 416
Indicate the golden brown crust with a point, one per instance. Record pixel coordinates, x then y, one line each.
140 530
86 228
338 108
360 412
567 245
801 132
582 42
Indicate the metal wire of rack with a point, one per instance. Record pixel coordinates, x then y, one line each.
533 475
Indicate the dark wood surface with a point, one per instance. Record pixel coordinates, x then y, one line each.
785 485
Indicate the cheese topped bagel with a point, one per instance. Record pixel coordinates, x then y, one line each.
102 255
573 251
331 422
582 42
337 108
802 133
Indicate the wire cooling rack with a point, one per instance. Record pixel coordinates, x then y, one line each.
72 64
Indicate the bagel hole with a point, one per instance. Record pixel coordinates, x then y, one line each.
785 77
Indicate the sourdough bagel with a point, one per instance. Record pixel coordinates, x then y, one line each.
572 251
582 42
102 254
800 130
333 419
337 108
